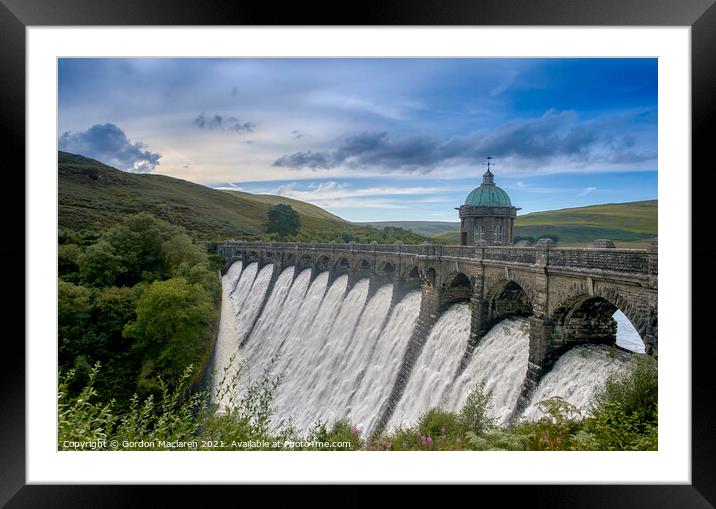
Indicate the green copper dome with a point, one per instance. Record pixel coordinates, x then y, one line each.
488 194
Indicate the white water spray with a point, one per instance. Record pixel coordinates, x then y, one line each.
226 344
251 304
340 352
381 370
576 375
433 373
500 363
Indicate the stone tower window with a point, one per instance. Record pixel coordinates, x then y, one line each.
500 233
480 233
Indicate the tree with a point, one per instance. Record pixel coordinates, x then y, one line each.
138 241
73 310
282 219
180 249
68 256
100 265
174 318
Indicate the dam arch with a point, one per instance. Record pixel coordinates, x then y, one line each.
457 288
507 298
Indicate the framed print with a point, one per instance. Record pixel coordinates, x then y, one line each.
420 249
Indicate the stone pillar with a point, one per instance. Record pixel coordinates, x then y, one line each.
429 310
332 276
541 359
480 325
479 320
274 276
400 290
542 251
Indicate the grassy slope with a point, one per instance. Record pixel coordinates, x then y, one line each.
93 195
428 228
631 223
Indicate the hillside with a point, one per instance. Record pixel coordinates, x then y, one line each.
94 196
427 228
631 222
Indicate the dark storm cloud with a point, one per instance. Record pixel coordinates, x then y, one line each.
109 144
315 160
554 135
223 123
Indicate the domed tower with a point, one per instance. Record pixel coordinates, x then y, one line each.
487 216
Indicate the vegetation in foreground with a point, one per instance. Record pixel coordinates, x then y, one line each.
623 417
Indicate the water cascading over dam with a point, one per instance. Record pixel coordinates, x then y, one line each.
340 351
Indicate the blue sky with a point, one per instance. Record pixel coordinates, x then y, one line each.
374 139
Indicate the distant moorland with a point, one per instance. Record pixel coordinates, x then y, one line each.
629 224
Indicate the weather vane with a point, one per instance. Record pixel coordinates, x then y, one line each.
489 162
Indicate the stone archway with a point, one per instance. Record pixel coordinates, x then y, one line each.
507 298
457 288
429 276
323 264
342 266
386 269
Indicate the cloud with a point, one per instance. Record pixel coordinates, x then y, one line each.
586 191
223 123
535 142
229 186
109 144
369 149
336 195
529 188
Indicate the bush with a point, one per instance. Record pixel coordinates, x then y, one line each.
497 440
68 256
473 414
100 265
341 432
634 392
624 411
439 425
173 321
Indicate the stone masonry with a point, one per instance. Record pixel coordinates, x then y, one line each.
569 294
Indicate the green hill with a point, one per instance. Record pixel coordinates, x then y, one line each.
631 222
427 228
93 196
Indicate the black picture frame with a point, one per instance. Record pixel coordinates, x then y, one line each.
16 15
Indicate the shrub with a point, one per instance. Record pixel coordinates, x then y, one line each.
624 411
100 265
473 414
68 256
635 391
497 440
341 431
173 321
552 432
439 424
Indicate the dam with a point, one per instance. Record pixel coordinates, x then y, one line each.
379 333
